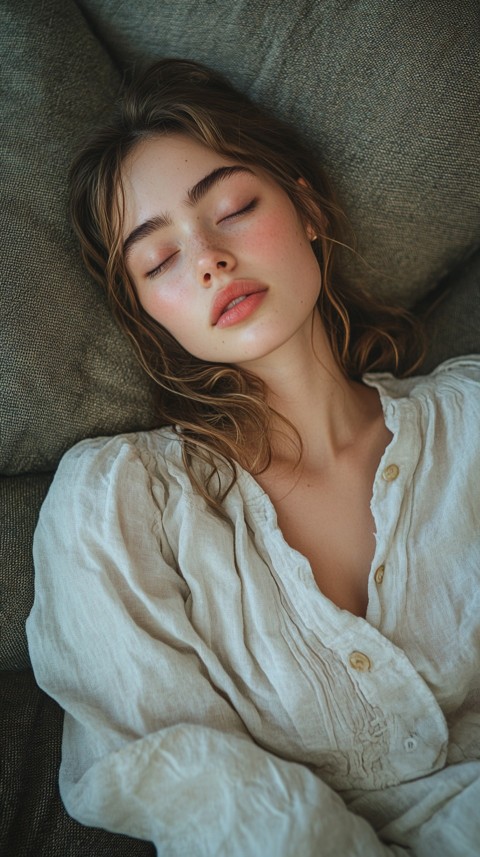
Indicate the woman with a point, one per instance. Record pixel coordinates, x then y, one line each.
262 619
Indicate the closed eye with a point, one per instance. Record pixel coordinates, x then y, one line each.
250 207
159 268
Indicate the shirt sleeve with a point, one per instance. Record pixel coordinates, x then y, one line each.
151 747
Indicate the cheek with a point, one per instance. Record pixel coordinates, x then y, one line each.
279 239
288 250
167 304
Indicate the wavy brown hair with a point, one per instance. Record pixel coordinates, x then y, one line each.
219 408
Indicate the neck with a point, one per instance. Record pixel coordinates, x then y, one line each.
307 387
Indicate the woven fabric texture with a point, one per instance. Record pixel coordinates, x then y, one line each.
453 328
33 822
66 371
20 500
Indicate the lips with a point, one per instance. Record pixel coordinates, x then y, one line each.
233 293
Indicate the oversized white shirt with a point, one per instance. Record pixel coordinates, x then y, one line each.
217 703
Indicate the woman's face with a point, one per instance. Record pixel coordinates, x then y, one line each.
217 251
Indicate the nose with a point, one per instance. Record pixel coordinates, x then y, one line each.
212 264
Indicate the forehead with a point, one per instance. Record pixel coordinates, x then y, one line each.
172 160
158 172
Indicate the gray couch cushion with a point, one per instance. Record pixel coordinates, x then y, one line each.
453 327
20 500
33 822
387 93
65 370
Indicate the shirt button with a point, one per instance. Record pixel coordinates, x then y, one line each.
410 744
360 662
391 472
379 574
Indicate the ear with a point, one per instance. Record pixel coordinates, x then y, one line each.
311 234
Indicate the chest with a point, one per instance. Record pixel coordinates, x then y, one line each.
328 519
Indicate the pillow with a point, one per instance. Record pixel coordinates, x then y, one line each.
66 370
453 326
386 93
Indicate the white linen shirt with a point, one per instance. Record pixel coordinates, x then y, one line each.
217 703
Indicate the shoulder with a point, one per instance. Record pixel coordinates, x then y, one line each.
441 408
454 381
436 418
101 457
451 390
448 402
100 472
459 373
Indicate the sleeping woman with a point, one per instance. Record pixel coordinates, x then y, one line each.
262 618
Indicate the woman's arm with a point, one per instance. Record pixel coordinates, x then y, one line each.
151 747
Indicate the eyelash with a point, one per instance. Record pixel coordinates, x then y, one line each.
250 207
159 268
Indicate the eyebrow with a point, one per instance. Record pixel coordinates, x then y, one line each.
194 195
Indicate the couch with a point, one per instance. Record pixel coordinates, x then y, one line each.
386 93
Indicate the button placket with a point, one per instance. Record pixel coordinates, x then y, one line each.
389 474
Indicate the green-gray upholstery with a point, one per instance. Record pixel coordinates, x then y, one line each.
388 96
